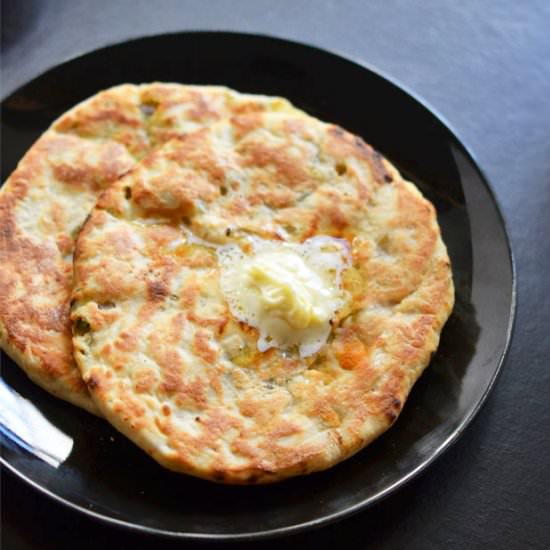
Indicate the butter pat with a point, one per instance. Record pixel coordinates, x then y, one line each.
288 291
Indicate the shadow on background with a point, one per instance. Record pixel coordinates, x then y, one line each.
18 18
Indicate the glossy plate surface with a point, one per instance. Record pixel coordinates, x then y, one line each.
83 462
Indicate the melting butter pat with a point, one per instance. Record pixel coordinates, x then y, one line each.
288 291
288 288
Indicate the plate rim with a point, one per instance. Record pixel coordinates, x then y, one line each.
443 447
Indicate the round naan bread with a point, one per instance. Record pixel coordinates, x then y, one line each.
173 369
47 198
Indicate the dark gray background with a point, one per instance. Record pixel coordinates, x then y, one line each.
485 66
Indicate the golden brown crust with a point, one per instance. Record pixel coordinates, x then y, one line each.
172 369
40 208
47 198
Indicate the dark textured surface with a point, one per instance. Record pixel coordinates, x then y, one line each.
486 67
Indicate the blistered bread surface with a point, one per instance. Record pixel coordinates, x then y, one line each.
47 198
158 347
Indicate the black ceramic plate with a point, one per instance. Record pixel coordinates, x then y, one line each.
106 476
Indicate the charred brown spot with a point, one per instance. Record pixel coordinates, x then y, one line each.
290 229
127 193
81 327
377 165
360 144
222 325
106 305
393 408
157 290
345 143
7 231
337 131
341 168
92 383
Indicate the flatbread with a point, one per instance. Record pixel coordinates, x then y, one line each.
172 369
47 198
